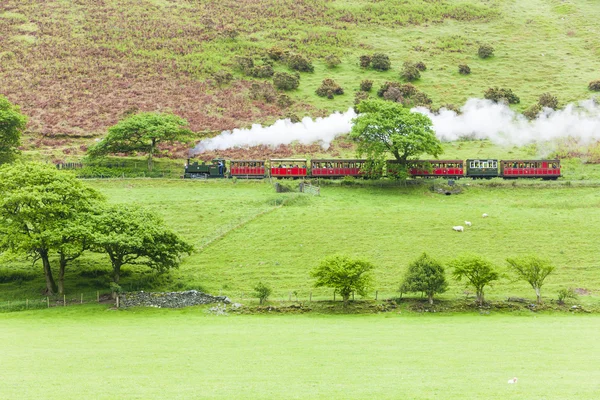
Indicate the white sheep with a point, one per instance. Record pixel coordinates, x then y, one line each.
513 380
468 223
458 228
484 215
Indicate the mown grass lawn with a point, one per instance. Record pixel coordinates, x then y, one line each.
85 352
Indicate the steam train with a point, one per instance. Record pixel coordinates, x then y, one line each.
339 168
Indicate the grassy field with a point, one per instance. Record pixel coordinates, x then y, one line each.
85 352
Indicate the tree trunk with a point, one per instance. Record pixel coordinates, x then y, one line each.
150 163
50 284
346 297
61 274
430 296
480 297
539 295
116 273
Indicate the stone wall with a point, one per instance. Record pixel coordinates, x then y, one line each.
169 299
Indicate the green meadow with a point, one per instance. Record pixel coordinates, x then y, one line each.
90 352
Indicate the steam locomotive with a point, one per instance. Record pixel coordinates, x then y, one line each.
339 168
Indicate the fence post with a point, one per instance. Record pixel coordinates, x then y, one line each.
98 295
289 296
81 298
26 304
118 300
310 297
376 292
64 300
48 301
334 295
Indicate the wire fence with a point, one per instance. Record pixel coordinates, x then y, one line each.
54 301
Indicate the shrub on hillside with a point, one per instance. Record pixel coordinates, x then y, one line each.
262 71
421 99
292 117
286 81
381 62
485 51
300 63
532 112
410 72
222 77
263 91
275 53
384 88
284 101
365 61
421 66
408 89
332 61
501 95
393 94
366 85
548 100
594 85
244 64
329 88
464 69
358 97
451 107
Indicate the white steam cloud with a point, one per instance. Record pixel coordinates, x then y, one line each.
479 119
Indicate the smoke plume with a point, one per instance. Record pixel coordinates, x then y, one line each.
479 119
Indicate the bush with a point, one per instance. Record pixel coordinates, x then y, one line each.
262 71
485 51
284 101
222 77
285 81
332 61
244 64
365 61
292 117
532 112
421 99
408 90
262 292
594 85
263 91
548 100
300 63
329 88
564 294
366 85
421 66
451 107
464 69
410 72
275 53
393 94
384 88
500 95
381 62
358 97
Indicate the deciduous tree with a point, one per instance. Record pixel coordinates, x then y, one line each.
476 271
425 275
12 124
533 270
135 236
383 127
142 133
345 275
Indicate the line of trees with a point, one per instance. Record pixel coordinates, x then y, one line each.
49 216
428 276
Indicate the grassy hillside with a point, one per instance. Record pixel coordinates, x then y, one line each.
76 67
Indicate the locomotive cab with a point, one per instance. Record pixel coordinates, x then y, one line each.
215 169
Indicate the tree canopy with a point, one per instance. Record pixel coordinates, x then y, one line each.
476 271
384 127
142 133
12 124
345 275
425 275
132 235
41 215
533 270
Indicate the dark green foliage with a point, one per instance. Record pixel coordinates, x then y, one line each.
476 271
366 85
262 292
222 77
345 275
485 51
329 88
262 71
532 112
565 294
298 62
548 100
365 61
464 69
8 276
381 62
275 53
421 99
284 101
501 95
358 97
12 124
332 61
292 117
594 85
286 81
425 275
243 64
410 72
263 91
421 66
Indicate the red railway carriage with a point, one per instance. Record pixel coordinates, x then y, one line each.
335 168
247 168
288 168
436 168
545 169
